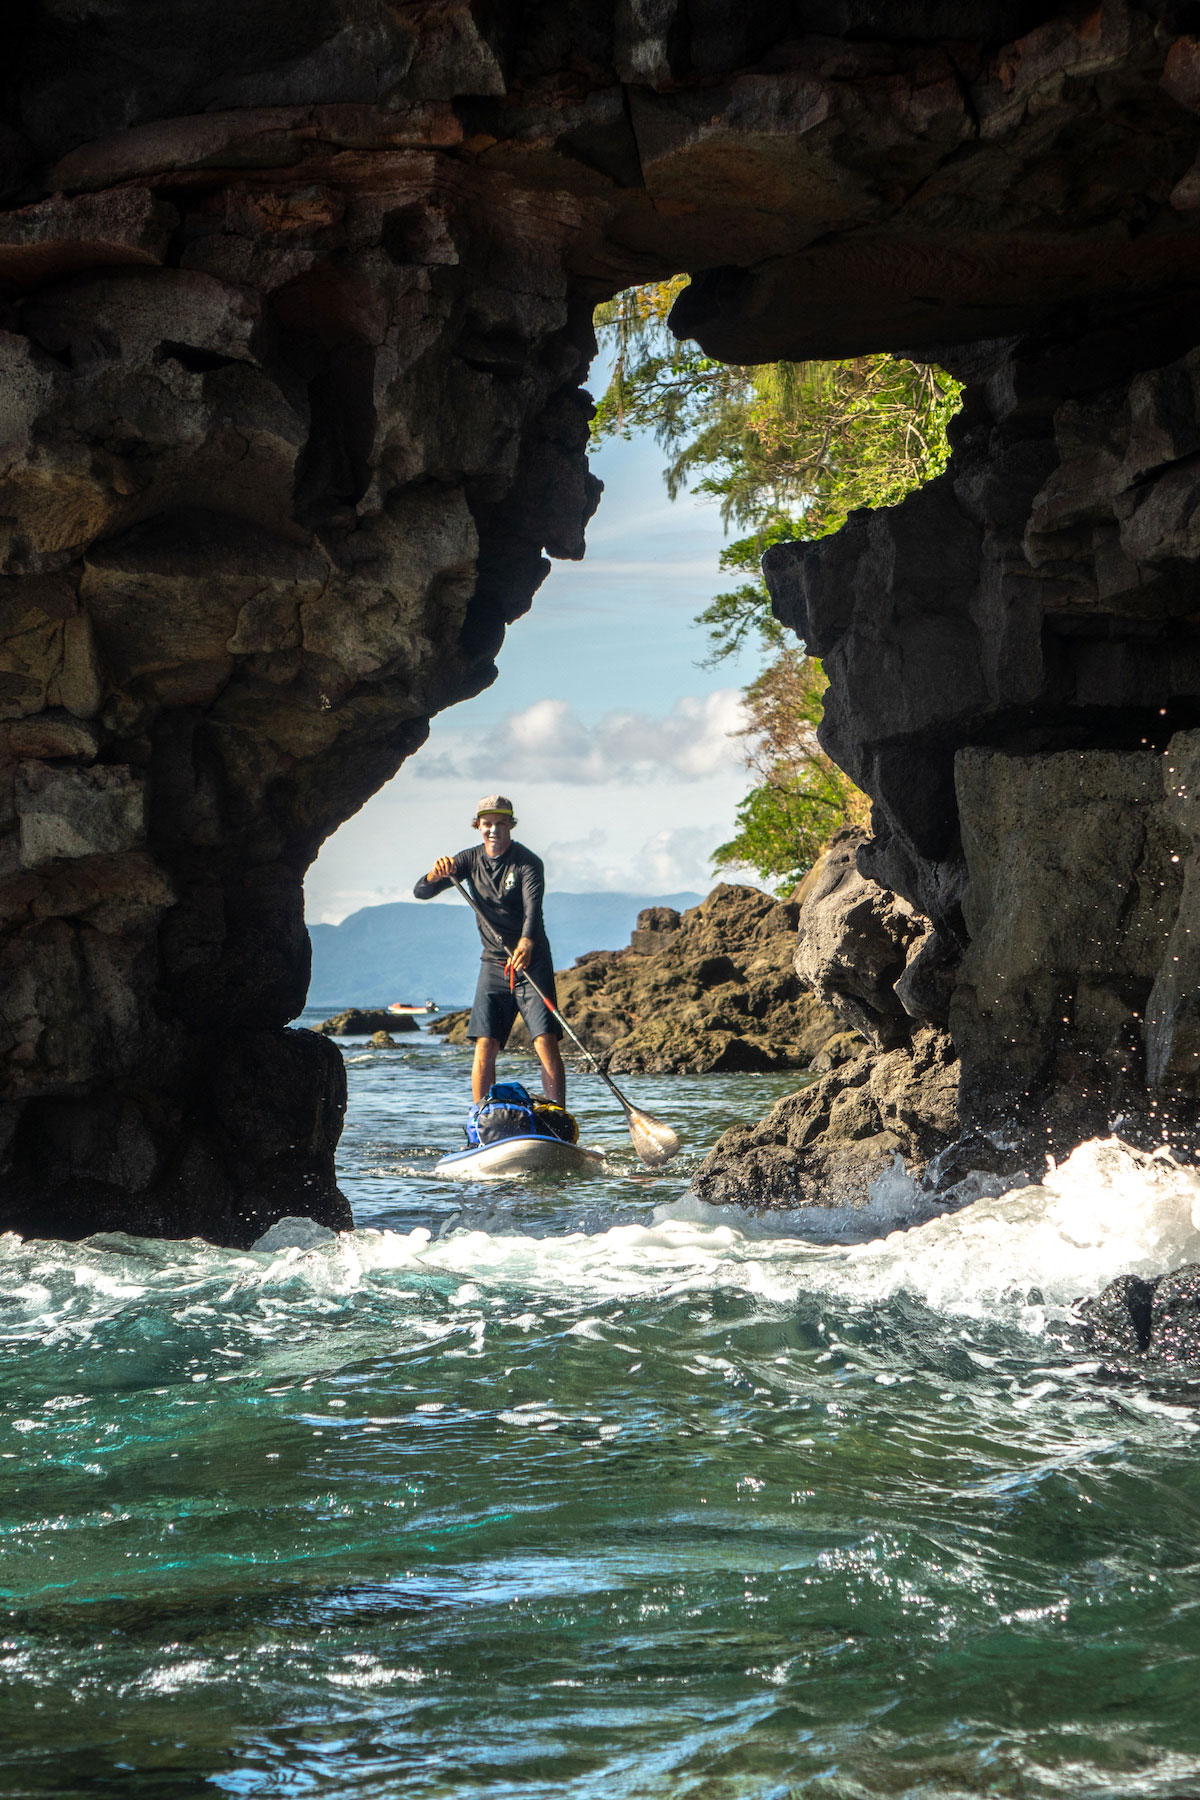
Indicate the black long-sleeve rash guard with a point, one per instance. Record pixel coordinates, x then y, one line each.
508 890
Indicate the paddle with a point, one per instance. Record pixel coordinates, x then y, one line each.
654 1140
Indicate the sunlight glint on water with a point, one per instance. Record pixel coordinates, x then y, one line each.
589 1492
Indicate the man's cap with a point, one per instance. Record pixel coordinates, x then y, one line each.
493 803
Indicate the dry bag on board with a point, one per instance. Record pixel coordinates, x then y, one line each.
509 1111
552 1120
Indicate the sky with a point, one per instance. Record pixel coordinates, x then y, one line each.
611 740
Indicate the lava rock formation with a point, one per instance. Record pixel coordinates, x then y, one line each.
297 307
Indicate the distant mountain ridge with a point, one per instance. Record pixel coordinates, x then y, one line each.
418 950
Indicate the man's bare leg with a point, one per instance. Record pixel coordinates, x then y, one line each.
554 1075
483 1069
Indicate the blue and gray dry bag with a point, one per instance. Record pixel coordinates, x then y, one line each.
509 1111
506 1113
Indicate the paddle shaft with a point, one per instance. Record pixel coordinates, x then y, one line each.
524 975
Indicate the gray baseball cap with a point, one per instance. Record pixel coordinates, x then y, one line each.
494 803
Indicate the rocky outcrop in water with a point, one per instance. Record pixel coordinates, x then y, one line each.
296 308
364 1021
827 1144
893 1095
1157 1319
711 990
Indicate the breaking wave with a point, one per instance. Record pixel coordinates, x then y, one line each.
1023 1257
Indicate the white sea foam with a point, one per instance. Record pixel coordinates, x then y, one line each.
295 1232
1108 1210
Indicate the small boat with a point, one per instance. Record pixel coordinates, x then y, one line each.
410 1006
521 1156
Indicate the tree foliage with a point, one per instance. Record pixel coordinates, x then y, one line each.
787 450
800 797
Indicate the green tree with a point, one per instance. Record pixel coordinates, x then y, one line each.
800 797
787 450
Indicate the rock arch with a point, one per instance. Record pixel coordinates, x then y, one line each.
297 309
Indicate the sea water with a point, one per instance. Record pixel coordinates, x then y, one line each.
544 1489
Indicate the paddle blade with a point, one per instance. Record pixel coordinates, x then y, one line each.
653 1140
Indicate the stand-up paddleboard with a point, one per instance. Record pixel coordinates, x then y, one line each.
654 1140
521 1156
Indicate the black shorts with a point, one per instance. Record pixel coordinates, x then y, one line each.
495 1010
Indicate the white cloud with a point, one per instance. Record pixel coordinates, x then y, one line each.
547 741
675 858
581 867
678 858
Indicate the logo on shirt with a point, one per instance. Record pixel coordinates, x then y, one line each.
509 879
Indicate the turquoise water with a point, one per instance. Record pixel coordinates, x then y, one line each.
550 1492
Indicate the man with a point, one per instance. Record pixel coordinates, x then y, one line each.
507 882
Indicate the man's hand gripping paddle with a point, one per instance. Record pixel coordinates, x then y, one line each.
654 1141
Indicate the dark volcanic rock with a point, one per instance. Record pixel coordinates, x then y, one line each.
366 1021
1158 1319
1119 1318
854 939
1175 1316
825 1145
1014 663
656 925
717 992
259 1136
297 305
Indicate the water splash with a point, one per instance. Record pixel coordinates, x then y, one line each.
1024 1257
1108 1210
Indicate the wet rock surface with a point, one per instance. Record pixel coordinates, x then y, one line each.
1155 1319
827 1144
296 311
715 990
365 1021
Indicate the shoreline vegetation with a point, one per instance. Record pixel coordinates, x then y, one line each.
788 451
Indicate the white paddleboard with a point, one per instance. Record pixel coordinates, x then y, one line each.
521 1156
